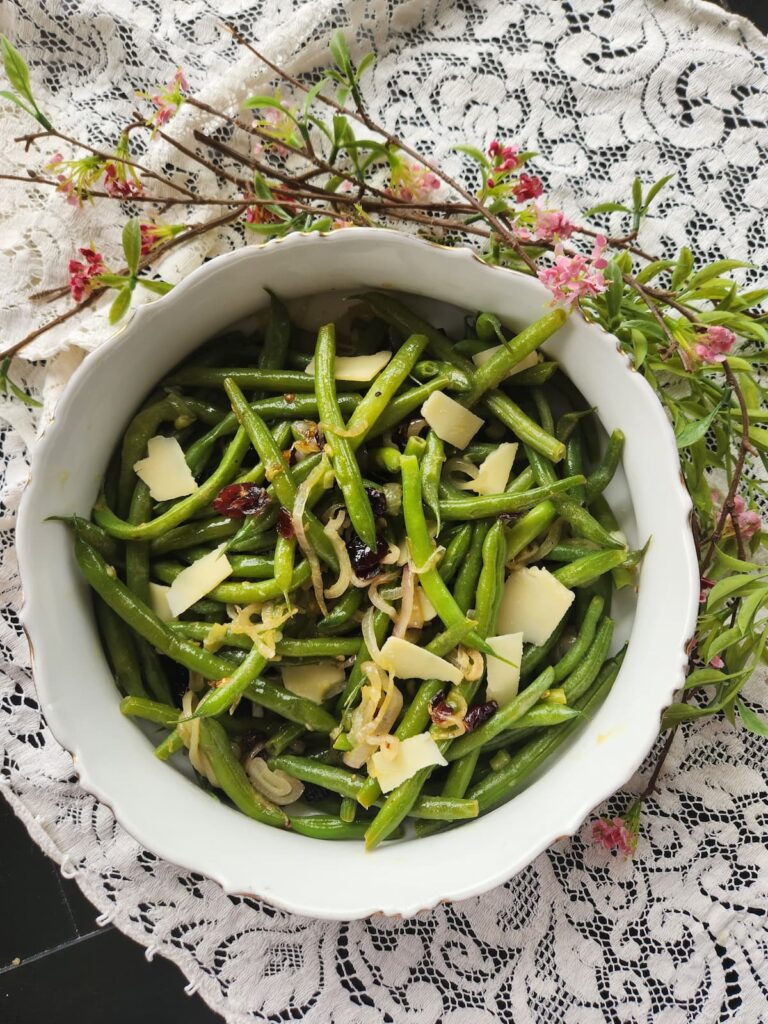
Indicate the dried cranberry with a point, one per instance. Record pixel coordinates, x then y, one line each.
364 560
480 713
378 501
285 524
239 500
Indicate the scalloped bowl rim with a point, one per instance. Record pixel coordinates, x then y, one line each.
214 840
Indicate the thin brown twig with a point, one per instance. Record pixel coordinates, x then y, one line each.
396 142
34 136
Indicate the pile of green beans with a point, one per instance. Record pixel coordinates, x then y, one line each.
348 516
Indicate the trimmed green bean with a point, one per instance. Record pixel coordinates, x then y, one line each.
456 551
150 710
383 389
285 382
242 592
404 404
504 718
231 776
120 649
343 612
604 473
585 673
486 505
585 570
466 581
275 697
581 645
490 585
340 451
279 741
530 526
431 469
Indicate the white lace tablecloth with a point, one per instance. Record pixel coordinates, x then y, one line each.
601 89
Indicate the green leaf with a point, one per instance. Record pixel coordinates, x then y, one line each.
112 280
255 102
637 195
721 642
750 606
730 586
365 63
704 677
751 721
157 287
639 345
15 99
654 190
615 288
474 153
715 269
736 564
120 306
653 270
604 208
18 75
340 54
16 70
683 268
694 431
132 244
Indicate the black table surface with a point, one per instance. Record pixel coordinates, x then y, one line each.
55 962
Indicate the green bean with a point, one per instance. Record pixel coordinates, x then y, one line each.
276 698
383 389
137 552
533 376
510 415
490 585
466 581
249 567
152 671
150 710
497 786
583 641
429 368
569 421
286 382
582 677
443 643
277 337
570 550
325 826
385 459
282 481
184 508
603 474
171 745
99 540
240 592
584 524
120 650
279 741
505 717
344 463
444 808
529 527
142 619
534 655
431 468
456 783
328 776
543 470
204 532
543 410
404 404
623 576
543 716
231 776
455 552
437 592
342 613
141 428
229 690
574 462
485 505
348 810
585 570
522 482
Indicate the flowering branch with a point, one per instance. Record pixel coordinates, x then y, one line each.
302 167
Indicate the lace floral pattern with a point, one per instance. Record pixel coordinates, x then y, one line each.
601 89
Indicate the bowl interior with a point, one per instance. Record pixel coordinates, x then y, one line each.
162 808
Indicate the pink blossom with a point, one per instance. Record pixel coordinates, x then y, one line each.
716 344
168 99
574 277
546 225
747 521
116 183
615 834
505 158
81 274
529 186
411 182
54 163
716 662
67 188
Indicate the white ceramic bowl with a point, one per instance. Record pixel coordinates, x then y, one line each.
159 805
